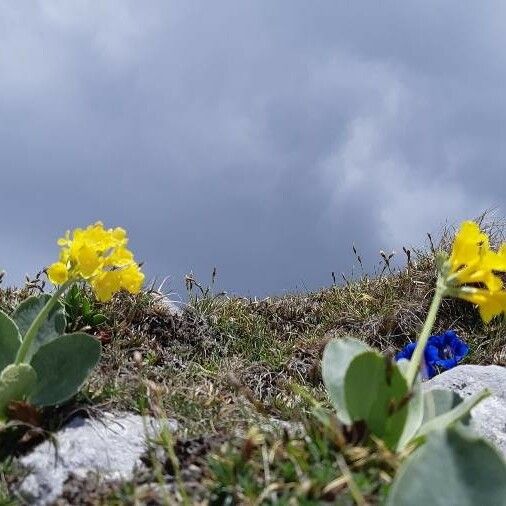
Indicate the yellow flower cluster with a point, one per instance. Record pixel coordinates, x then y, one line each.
99 256
471 271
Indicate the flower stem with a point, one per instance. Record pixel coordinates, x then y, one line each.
37 323
414 363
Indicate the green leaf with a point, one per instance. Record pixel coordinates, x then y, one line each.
447 418
16 383
27 311
86 307
98 319
72 297
10 340
437 401
454 466
377 393
337 356
415 409
62 366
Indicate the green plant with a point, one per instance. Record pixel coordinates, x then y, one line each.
375 390
81 310
365 386
452 467
38 362
270 466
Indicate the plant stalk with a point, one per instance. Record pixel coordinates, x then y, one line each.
37 323
414 363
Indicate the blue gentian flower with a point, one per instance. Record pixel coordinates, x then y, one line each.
442 352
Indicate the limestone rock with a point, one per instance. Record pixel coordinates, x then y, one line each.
489 416
111 446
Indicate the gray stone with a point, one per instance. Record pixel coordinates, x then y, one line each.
489 416
111 446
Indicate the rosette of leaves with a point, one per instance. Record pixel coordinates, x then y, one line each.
55 365
81 310
363 385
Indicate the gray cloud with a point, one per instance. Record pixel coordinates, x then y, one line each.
263 138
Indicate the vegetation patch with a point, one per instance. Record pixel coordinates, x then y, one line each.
243 379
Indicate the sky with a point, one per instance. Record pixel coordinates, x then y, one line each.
261 138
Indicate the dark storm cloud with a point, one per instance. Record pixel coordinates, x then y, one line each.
263 138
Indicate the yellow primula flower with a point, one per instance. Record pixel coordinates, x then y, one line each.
109 282
106 284
131 278
470 272
58 273
119 257
99 256
467 245
489 303
88 261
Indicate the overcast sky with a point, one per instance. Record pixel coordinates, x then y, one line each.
261 137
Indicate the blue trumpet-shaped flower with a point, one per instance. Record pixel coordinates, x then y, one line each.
442 352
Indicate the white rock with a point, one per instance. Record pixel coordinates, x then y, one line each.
111 446
489 416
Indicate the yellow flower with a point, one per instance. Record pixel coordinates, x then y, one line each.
489 304
119 257
99 256
470 273
87 261
109 282
58 273
131 278
106 284
467 245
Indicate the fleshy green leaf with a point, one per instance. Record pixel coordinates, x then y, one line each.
26 312
461 410
415 409
337 356
454 466
438 401
377 393
16 383
86 307
98 319
10 340
62 366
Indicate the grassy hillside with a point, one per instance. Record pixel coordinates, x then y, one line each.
242 378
